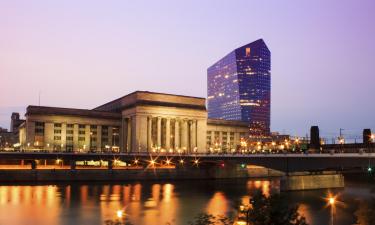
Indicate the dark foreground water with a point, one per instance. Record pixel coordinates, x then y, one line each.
158 203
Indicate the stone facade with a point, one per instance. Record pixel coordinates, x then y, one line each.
61 129
225 135
138 122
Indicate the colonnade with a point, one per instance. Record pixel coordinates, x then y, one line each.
159 134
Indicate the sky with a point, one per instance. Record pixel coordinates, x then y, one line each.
81 54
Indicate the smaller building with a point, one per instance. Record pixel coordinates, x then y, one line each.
65 129
7 139
15 122
225 135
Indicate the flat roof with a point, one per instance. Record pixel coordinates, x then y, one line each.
153 98
46 110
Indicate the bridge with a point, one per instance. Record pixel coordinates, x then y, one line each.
285 162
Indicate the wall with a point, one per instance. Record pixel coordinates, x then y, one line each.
311 182
27 134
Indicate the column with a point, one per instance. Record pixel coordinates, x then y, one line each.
168 134
149 133
192 135
159 132
184 136
142 133
176 134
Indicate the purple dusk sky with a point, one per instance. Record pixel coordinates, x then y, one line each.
82 54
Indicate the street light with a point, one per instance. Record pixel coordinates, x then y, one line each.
119 214
273 145
331 202
342 142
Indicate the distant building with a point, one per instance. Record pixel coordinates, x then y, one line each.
138 122
7 139
15 122
239 87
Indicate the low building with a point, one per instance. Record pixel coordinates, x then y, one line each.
225 135
7 139
63 129
138 122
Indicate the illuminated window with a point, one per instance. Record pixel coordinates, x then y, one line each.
247 52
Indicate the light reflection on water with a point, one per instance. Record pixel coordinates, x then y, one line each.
148 202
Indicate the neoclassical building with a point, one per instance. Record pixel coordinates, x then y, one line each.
138 122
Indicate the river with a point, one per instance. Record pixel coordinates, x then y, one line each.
159 203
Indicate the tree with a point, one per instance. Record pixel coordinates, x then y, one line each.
208 219
366 213
274 210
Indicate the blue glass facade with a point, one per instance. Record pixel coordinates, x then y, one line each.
239 87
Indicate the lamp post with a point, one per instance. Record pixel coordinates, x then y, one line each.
243 145
287 145
296 141
273 145
120 216
341 142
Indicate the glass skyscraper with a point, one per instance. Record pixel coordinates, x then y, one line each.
239 87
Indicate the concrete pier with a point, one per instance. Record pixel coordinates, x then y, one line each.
308 181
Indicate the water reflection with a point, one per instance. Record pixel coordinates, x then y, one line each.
218 204
148 203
